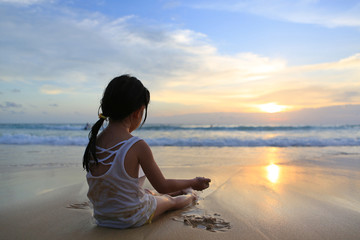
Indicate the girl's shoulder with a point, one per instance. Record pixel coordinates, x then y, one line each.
140 143
141 147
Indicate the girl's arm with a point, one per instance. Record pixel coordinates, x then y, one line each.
157 179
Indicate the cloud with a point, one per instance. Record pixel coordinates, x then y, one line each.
9 105
54 90
68 55
348 96
342 114
316 85
87 49
242 90
325 13
68 52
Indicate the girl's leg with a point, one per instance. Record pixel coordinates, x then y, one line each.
166 203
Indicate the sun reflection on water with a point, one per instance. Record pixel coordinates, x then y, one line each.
273 173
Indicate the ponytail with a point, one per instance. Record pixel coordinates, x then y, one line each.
122 96
90 151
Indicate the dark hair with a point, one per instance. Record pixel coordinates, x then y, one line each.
123 95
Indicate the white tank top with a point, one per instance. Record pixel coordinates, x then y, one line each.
119 200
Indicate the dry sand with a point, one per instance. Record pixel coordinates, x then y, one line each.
291 202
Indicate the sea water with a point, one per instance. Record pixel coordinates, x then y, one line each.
63 144
190 135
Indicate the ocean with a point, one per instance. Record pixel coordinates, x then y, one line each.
191 135
40 144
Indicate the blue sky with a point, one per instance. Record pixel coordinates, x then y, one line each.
196 57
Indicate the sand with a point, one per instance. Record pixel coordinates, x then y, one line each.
285 201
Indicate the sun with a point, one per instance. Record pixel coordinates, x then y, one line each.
272 107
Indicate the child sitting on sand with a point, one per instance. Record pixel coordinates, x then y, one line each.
116 161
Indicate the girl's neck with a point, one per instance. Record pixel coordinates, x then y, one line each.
115 132
119 127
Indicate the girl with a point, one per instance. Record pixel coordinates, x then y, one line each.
116 161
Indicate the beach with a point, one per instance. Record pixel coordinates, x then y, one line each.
262 192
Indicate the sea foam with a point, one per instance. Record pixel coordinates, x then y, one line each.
290 141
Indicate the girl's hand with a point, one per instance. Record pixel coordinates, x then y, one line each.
200 183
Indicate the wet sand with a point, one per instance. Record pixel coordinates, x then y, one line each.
286 200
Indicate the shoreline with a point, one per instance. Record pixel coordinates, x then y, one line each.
255 208
307 195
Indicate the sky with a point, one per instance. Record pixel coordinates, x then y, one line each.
231 61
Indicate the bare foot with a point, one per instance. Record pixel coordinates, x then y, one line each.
190 191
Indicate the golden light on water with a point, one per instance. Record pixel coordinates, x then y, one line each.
273 173
272 107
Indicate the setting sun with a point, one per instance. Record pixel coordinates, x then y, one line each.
272 107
